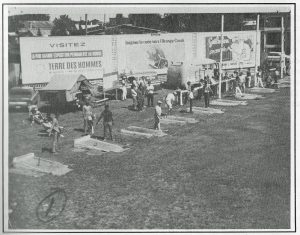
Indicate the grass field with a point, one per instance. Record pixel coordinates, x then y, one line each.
228 171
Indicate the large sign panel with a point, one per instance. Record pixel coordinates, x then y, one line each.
41 58
146 52
238 49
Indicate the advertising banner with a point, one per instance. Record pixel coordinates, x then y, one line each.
41 58
238 49
148 52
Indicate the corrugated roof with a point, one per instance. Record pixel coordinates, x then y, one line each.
62 82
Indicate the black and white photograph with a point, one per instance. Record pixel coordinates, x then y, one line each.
148 117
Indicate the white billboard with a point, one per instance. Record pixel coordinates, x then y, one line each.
41 58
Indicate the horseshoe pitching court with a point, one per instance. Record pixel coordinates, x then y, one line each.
89 143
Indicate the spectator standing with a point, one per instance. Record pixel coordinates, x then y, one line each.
140 98
157 116
55 131
150 93
134 97
259 78
108 121
87 111
237 84
191 97
206 90
124 90
242 82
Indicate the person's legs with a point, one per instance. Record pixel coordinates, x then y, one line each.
109 124
54 141
206 95
104 129
151 99
85 126
260 82
191 105
148 99
155 124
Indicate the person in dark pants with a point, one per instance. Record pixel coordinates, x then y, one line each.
107 121
55 131
206 90
150 92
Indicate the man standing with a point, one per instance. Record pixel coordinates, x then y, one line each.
124 90
87 111
170 99
107 121
134 96
191 97
206 90
157 116
55 132
150 92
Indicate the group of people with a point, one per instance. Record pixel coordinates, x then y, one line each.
140 89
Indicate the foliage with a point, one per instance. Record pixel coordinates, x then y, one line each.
63 26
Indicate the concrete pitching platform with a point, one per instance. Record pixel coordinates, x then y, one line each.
89 143
31 165
177 120
221 102
262 90
249 97
141 131
181 119
203 110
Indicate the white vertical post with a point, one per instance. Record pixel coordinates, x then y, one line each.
256 50
282 59
221 57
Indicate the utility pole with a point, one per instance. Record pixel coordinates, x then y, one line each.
221 57
282 57
256 51
85 24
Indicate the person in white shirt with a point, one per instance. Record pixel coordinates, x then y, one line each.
157 116
170 98
191 97
150 93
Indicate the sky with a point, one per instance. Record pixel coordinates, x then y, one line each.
99 11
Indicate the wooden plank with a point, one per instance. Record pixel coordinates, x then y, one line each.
185 119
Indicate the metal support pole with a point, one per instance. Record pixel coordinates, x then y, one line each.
282 57
256 50
221 57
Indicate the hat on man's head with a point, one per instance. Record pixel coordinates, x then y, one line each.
159 102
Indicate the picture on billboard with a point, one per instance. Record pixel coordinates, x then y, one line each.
238 50
153 54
